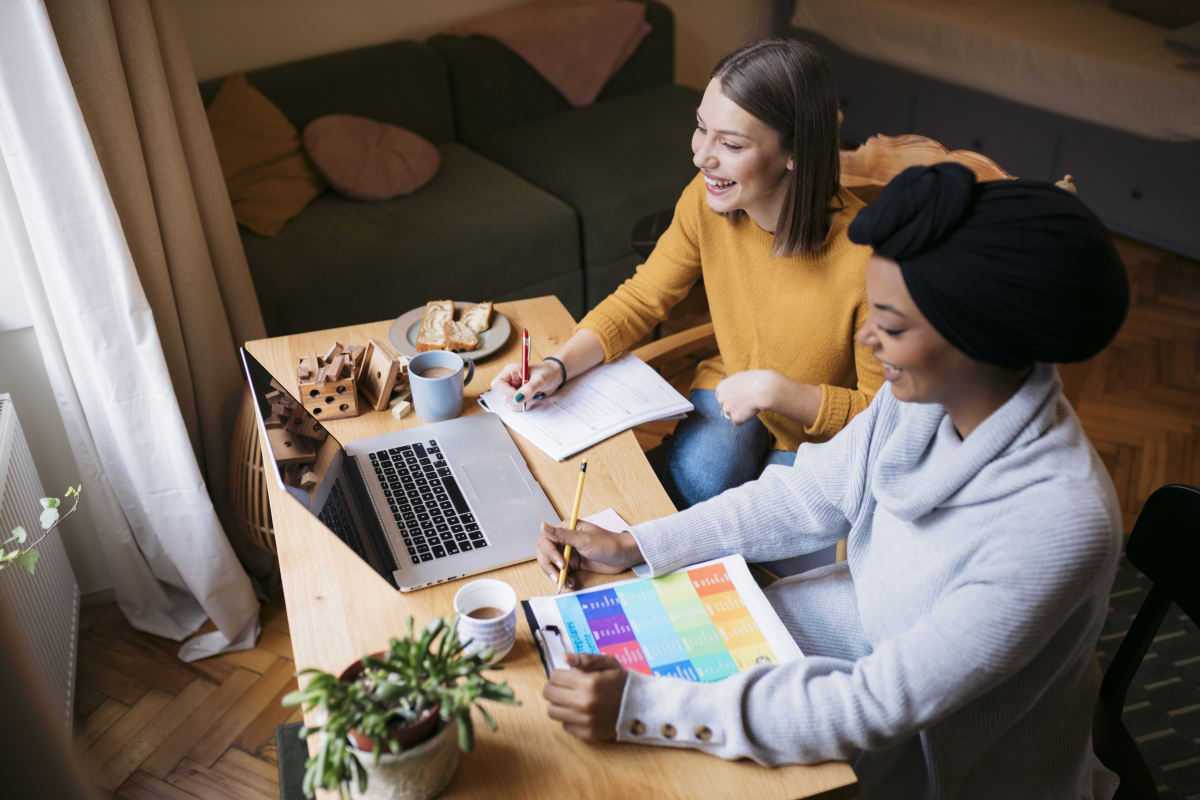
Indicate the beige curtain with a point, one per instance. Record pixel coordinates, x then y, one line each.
133 77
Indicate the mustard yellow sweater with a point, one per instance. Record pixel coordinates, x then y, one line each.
794 315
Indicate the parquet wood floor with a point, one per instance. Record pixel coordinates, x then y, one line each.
152 728
1139 400
149 727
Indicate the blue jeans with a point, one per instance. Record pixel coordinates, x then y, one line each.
708 454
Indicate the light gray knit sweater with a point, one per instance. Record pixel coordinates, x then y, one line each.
951 656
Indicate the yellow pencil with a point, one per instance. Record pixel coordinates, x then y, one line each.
562 576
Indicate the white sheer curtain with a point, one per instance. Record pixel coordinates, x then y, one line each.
163 544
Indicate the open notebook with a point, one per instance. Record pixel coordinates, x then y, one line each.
600 403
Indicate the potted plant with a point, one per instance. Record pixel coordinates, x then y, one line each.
386 718
26 554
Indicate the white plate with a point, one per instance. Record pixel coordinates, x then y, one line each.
403 333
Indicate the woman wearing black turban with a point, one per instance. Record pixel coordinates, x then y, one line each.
952 655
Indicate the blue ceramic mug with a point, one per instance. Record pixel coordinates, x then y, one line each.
438 393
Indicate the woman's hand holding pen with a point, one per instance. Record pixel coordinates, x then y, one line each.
592 548
579 354
587 698
544 380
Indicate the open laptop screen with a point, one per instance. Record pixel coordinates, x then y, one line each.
301 446
311 465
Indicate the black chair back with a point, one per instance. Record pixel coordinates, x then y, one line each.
1165 547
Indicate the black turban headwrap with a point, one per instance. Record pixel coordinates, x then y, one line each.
1009 271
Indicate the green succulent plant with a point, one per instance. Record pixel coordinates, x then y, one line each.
414 675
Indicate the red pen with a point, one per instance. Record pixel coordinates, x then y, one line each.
524 359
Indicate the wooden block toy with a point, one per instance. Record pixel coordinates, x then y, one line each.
356 356
401 409
323 392
290 449
294 419
308 480
297 421
334 350
331 400
313 430
377 375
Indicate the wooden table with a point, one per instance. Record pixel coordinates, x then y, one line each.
339 608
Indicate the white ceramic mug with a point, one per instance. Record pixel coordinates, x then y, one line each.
498 631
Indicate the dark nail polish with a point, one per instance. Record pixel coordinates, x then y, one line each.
539 395
520 398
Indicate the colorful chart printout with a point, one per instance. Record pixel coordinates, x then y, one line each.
693 624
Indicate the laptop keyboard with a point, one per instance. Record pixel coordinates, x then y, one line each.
425 501
336 516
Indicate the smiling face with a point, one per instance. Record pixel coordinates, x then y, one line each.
743 164
917 360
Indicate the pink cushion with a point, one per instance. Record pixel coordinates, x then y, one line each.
368 160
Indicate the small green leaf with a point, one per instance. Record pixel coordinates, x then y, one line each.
28 559
9 556
18 533
50 502
49 517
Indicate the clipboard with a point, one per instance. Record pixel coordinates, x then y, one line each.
548 641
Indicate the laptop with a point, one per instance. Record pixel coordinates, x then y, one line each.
422 506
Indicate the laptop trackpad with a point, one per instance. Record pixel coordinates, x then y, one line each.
497 480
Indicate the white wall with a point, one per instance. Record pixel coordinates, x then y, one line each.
706 30
23 375
228 35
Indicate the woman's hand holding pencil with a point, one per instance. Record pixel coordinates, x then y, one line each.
592 548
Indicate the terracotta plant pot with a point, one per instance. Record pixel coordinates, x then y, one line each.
406 736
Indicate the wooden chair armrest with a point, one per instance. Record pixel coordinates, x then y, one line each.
677 345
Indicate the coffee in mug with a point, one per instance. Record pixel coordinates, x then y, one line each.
437 379
487 616
433 373
486 612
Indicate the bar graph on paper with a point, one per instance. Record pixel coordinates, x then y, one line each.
702 623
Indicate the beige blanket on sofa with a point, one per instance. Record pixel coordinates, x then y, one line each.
1079 58
576 45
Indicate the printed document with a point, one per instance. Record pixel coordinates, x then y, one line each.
600 403
701 623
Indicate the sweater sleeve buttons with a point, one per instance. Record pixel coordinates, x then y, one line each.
637 727
703 733
668 731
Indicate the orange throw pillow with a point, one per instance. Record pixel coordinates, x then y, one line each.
267 172
368 160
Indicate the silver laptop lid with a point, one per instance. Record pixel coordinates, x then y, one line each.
312 466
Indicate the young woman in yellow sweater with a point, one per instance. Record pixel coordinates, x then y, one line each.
765 225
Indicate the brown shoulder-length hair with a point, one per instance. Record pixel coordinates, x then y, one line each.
788 85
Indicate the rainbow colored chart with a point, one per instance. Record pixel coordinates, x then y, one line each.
700 624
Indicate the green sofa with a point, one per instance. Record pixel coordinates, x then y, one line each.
533 197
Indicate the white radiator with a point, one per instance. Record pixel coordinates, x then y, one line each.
45 604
